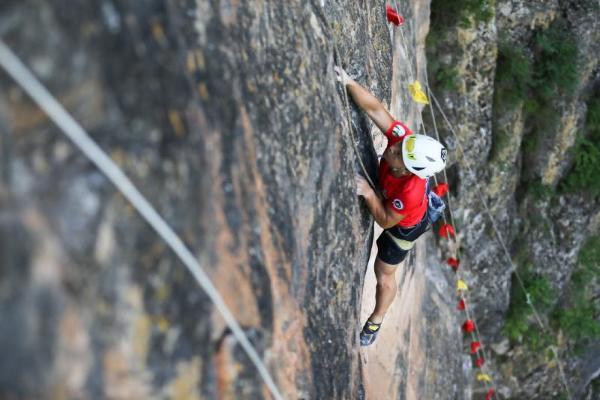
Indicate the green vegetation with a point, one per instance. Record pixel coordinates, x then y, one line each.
579 320
444 76
561 396
540 191
555 51
586 164
446 15
519 326
596 382
450 13
513 75
536 77
589 260
554 76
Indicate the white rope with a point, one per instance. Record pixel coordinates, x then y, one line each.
474 335
413 77
20 73
437 135
502 243
463 297
420 118
479 192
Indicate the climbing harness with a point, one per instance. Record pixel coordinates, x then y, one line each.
73 130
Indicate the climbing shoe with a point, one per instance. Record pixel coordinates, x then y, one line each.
369 333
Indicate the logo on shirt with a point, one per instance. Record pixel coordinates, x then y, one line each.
398 131
397 204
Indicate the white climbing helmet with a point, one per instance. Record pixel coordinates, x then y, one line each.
423 155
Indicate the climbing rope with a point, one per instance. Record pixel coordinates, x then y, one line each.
350 125
499 236
437 135
485 377
503 245
457 249
413 78
71 128
474 333
348 114
474 338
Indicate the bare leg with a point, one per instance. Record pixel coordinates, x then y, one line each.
385 291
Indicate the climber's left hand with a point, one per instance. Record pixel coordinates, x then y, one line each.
342 76
362 187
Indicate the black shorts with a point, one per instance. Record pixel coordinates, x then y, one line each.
394 243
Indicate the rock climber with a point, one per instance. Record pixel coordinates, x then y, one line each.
404 211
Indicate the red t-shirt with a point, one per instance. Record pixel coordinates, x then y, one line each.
406 195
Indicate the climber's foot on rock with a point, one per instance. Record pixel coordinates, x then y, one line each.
369 333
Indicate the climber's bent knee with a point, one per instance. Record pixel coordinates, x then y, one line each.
384 271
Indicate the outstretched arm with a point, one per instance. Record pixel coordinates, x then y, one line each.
366 101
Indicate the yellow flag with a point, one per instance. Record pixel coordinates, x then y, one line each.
417 93
461 285
483 377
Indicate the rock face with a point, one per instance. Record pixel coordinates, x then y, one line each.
228 117
519 170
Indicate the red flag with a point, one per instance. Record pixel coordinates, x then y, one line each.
441 189
475 346
453 262
446 230
461 305
489 394
468 326
393 17
479 362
